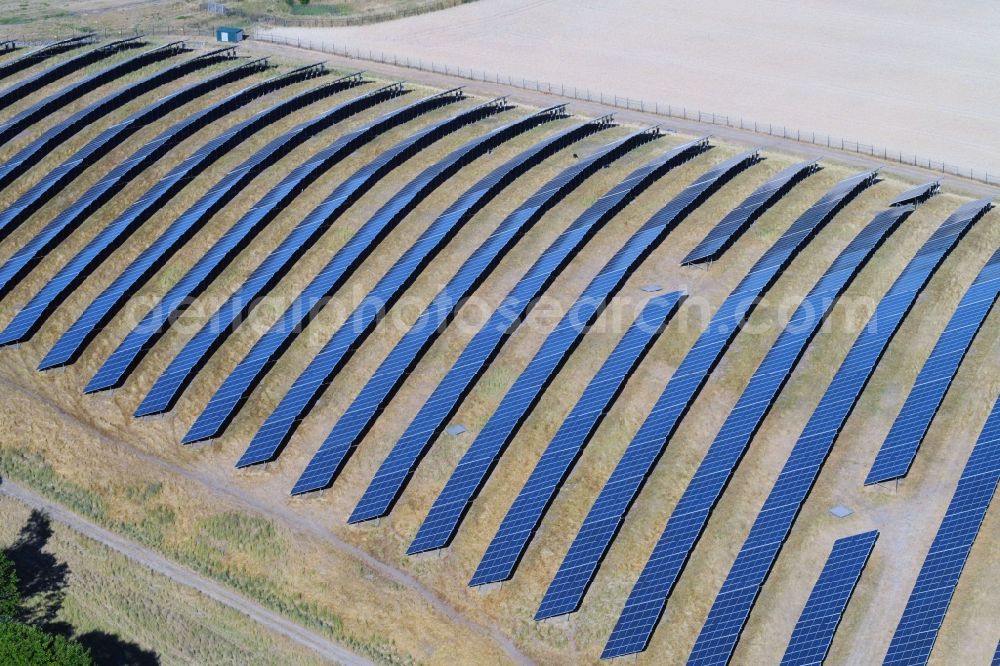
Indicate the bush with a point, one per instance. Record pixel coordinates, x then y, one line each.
21 645
10 598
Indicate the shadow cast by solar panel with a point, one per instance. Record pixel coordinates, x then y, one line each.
469 213
53 136
33 315
218 413
609 401
413 447
22 89
102 309
606 516
58 178
442 523
71 93
268 274
63 224
41 53
327 362
407 352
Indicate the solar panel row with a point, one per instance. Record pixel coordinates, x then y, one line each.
110 184
58 178
918 194
774 522
379 389
41 53
739 219
70 345
33 315
917 630
226 401
451 505
53 136
58 100
899 449
278 427
142 337
391 476
818 622
647 600
608 511
554 466
25 87
274 267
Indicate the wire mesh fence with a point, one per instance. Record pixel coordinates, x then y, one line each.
644 106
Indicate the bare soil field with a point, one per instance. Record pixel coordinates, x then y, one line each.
911 77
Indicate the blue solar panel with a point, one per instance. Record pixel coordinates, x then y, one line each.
608 511
996 656
227 400
324 366
918 194
818 622
269 272
33 315
41 53
53 136
635 627
56 101
58 178
925 610
69 346
22 89
145 334
116 179
397 467
366 407
552 469
900 446
732 226
441 523
775 520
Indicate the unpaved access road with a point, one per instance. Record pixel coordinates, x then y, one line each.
917 77
185 576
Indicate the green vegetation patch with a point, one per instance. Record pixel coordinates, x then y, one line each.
31 469
23 645
247 534
309 9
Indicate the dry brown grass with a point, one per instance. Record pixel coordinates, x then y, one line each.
199 483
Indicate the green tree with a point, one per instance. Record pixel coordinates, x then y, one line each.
10 598
22 645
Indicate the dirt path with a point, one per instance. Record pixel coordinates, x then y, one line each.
184 576
907 76
287 518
